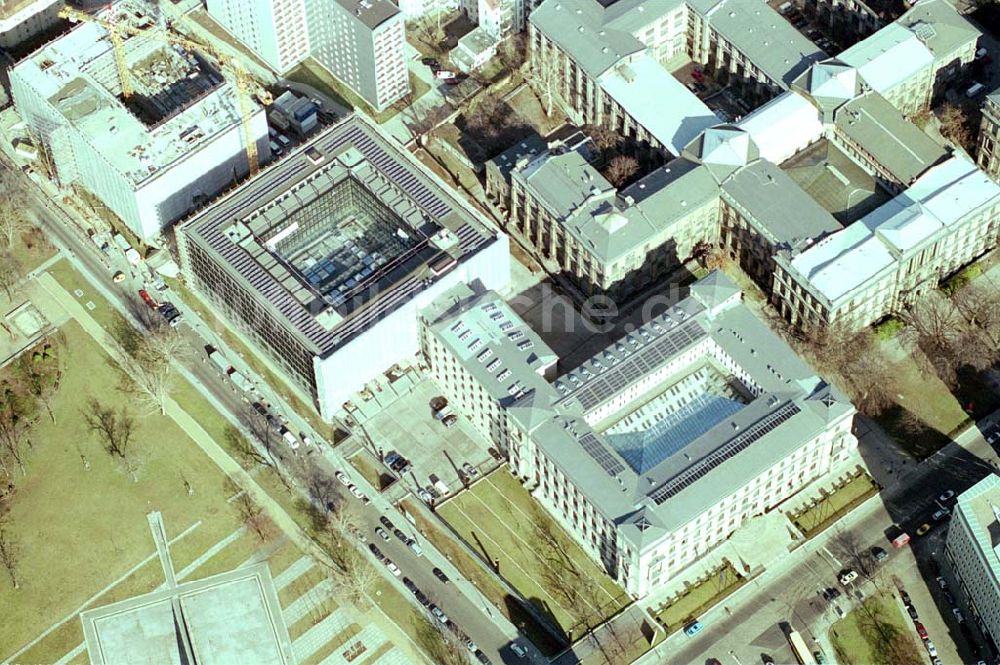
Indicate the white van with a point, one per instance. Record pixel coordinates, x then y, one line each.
975 90
439 485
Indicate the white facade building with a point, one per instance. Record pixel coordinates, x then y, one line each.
275 30
151 159
325 260
659 447
973 548
20 21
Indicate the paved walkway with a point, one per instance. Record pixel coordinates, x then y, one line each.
310 600
302 566
313 639
212 551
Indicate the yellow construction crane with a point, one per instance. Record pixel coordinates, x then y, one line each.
245 85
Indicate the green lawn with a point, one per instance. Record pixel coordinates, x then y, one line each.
855 642
498 518
836 504
78 530
698 598
71 280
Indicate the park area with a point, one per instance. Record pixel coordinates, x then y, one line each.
502 522
876 633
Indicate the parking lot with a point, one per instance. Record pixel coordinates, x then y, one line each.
407 427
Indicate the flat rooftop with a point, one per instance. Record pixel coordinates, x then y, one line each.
979 505
234 617
179 103
372 13
338 234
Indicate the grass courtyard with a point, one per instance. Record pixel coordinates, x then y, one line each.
499 518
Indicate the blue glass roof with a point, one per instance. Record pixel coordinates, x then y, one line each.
644 450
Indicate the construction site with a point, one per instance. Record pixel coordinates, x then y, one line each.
122 92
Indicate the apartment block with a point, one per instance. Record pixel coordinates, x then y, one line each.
656 449
323 260
973 550
362 42
275 30
20 21
853 19
152 157
988 145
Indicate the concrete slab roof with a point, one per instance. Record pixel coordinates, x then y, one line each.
234 617
893 141
763 36
781 209
372 13
940 27
888 57
641 85
979 505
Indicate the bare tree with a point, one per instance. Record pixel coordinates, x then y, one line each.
9 555
254 518
13 217
605 137
955 125
436 645
239 445
979 305
10 274
351 574
543 76
933 323
620 169
115 429
39 373
147 360
856 358
17 417
513 51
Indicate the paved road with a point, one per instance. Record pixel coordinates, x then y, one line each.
748 625
491 632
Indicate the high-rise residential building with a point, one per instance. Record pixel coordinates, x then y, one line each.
275 30
20 21
988 148
323 260
656 449
973 549
361 42
151 157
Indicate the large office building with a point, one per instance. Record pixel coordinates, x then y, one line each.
657 448
150 157
275 30
361 42
973 549
323 260
988 146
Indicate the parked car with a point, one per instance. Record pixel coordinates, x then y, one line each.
409 584
481 657
947 496
399 534
958 615
847 576
518 650
342 477
393 568
942 582
831 593
923 528
840 612
386 522
879 554
940 514
430 62
358 494
820 659
931 649
422 598
148 299
376 551
471 646
414 547
438 573
921 631
912 611
693 628
425 496
470 470
439 615
382 534
905 596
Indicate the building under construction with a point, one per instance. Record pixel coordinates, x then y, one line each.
152 147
